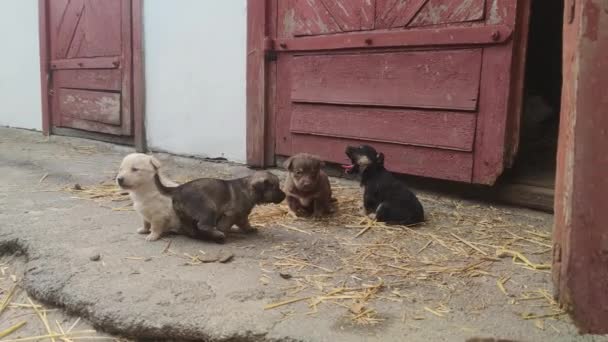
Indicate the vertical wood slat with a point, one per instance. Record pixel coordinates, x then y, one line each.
491 137
580 237
256 82
139 80
127 67
44 65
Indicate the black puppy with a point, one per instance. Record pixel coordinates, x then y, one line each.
385 197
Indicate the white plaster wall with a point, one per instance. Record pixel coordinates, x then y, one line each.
195 77
20 102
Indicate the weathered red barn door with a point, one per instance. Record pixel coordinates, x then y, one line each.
580 254
90 63
434 84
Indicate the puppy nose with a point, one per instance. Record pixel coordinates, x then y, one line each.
120 180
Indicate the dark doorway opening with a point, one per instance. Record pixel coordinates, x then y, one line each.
535 164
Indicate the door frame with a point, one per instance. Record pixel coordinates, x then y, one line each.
261 68
138 76
580 231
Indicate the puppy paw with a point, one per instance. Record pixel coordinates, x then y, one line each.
249 230
143 230
152 237
301 212
318 214
218 237
372 216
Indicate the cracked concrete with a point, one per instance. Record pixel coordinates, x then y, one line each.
136 290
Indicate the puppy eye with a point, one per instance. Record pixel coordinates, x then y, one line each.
134 169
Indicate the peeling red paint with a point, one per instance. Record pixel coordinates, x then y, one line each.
591 20
579 271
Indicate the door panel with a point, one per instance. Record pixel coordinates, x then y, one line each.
434 94
436 163
424 79
90 105
396 13
399 126
436 12
90 52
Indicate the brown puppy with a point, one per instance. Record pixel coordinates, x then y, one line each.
307 186
207 207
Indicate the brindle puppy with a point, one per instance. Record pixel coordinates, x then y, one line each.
209 207
307 186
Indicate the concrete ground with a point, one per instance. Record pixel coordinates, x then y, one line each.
68 237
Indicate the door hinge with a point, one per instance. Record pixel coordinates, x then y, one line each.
557 253
271 56
269 51
51 92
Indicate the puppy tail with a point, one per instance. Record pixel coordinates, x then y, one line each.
165 190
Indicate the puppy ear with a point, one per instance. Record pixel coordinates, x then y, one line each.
155 162
320 163
258 186
288 163
380 158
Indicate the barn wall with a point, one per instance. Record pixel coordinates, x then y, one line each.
195 77
20 103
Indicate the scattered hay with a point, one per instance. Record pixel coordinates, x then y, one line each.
453 248
103 193
10 311
12 329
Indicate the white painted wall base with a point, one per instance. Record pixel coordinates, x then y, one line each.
20 102
195 77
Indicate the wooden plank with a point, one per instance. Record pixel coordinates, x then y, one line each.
92 79
66 26
306 18
55 10
451 130
97 106
72 124
284 104
529 196
436 12
396 13
449 36
104 25
421 79
256 81
518 78
495 94
86 63
412 160
271 86
43 37
139 80
351 15
126 62
581 236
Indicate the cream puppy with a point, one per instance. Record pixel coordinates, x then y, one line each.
136 175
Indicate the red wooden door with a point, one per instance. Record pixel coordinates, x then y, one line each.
90 65
434 84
